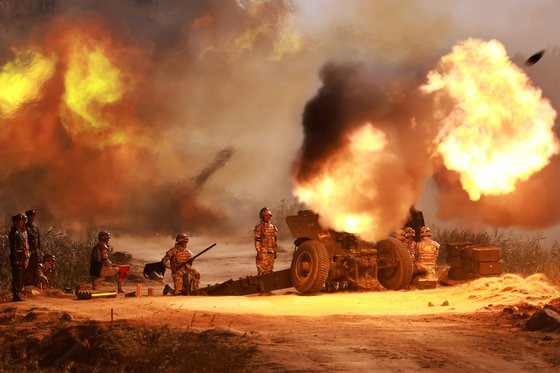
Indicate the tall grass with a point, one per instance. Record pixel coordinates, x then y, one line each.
72 257
523 255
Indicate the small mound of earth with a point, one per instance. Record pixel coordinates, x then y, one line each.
123 346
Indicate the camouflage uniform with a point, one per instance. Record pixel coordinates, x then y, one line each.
409 234
34 240
266 244
46 270
100 260
427 252
19 256
176 258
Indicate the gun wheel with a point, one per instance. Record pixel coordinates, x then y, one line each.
310 267
398 277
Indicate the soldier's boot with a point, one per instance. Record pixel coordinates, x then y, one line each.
119 287
168 290
17 298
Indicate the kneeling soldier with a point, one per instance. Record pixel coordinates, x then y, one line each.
185 277
46 270
101 265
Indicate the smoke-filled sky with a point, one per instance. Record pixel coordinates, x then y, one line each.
165 116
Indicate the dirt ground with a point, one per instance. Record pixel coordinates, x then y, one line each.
458 328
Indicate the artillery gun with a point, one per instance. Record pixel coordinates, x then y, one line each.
337 261
329 260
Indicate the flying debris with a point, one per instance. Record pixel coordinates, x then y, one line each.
534 58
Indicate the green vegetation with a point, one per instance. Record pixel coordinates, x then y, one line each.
72 257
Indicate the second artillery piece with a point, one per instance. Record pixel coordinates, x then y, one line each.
327 260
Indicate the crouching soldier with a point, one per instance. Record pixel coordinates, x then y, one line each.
266 242
185 277
427 252
46 271
101 265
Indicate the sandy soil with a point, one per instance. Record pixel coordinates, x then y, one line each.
375 331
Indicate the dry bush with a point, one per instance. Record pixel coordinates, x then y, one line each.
72 257
523 255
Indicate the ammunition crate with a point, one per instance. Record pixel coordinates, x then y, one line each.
454 248
487 268
454 261
486 254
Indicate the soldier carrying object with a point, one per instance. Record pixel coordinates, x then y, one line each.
34 240
427 252
46 271
266 242
101 266
178 259
19 255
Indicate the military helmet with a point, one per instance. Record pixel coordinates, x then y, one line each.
409 232
30 212
398 234
425 232
103 235
182 237
264 211
49 257
18 217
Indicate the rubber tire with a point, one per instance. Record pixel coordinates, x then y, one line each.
402 276
319 271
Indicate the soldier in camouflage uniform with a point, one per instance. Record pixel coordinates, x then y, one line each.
185 277
34 240
427 252
19 255
266 242
409 235
101 265
46 270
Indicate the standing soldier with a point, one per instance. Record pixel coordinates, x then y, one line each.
185 277
409 235
427 253
34 240
101 265
266 242
19 255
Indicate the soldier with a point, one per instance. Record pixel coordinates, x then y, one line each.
266 242
19 255
101 265
34 240
46 270
185 277
427 252
409 235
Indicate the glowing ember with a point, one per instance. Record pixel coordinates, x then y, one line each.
22 79
499 131
340 192
92 81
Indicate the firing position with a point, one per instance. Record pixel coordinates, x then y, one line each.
101 265
19 255
178 259
266 242
427 252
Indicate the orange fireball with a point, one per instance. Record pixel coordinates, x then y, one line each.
499 129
